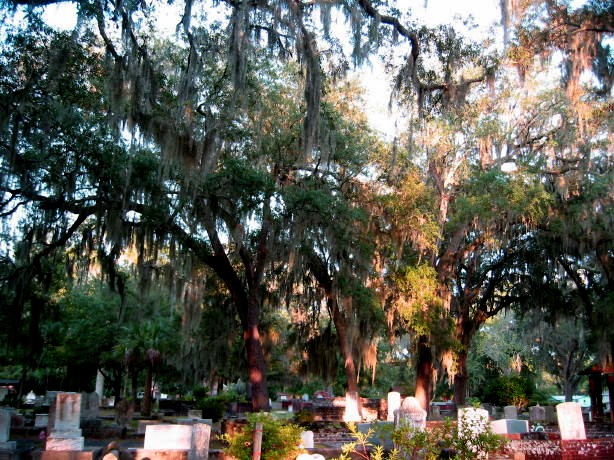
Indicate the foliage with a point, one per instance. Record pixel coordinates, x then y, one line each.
363 448
280 440
213 407
514 390
414 443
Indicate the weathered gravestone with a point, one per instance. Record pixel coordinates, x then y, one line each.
571 423
510 412
537 414
64 419
410 414
90 406
5 430
550 414
509 426
192 438
394 402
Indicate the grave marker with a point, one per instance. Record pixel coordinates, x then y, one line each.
509 426
394 402
571 423
510 412
410 414
537 414
64 418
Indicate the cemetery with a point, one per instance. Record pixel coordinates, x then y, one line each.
306 229
79 427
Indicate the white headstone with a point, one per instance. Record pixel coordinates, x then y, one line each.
307 439
509 426
571 424
100 384
410 414
394 402
351 412
510 412
168 437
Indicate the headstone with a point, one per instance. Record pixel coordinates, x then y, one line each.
195 413
167 436
471 423
550 414
201 436
41 420
307 439
5 430
90 406
509 426
100 384
351 412
123 413
410 414
394 402
571 424
537 414
3 392
64 419
510 412
193 438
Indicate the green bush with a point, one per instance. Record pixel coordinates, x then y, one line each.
280 440
509 391
213 407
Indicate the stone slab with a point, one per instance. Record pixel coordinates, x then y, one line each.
168 437
571 423
509 426
64 444
154 454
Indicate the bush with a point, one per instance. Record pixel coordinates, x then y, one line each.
509 391
280 440
213 407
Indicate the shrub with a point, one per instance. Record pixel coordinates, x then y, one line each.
509 391
280 440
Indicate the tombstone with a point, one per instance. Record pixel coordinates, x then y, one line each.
550 415
307 439
5 430
195 413
571 423
193 438
124 411
64 419
509 426
537 414
510 412
100 384
394 402
410 414
41 420
90 406
201 436
167 437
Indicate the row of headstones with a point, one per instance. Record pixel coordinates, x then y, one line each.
64 433
569 416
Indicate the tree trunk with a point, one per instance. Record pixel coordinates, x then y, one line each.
146 405
424 372
255 358
461 378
